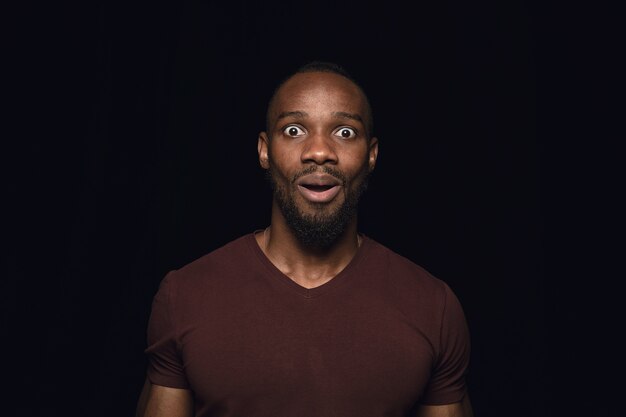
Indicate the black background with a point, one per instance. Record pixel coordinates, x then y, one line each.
135 152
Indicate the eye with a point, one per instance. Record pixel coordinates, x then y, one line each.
293 131
346 133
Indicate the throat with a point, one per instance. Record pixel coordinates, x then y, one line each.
308 280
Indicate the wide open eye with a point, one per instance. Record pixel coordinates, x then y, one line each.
293 131
345 133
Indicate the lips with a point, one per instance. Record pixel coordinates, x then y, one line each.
318 188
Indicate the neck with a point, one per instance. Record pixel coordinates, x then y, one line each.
308 267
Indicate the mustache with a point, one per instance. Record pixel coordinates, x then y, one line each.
321 169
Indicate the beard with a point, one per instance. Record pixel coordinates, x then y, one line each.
321 229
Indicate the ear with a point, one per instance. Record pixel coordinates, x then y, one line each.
262 148
373 153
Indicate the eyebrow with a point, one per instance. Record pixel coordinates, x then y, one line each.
296 114
351 116
301 115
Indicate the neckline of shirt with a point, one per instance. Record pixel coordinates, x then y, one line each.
343 277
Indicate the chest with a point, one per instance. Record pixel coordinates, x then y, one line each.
332 354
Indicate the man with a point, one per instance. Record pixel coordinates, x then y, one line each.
308 317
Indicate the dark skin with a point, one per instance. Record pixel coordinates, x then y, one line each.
316 119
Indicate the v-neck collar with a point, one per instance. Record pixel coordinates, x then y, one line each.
342 278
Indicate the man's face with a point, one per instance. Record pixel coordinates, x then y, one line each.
318 154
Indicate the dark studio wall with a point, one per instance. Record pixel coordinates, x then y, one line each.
142 157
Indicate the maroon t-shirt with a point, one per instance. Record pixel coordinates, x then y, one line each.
379 338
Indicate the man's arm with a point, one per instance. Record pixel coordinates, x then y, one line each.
159 401
460 409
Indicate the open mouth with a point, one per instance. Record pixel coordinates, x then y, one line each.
318 188
316 193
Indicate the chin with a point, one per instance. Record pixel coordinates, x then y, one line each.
320 228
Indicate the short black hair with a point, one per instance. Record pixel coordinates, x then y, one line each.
324 66
330 67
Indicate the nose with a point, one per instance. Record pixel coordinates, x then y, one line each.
319 149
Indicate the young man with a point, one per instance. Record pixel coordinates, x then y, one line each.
308 317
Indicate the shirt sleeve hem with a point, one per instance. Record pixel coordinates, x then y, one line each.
168 381
450 398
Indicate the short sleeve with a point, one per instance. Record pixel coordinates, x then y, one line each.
165 365
448 379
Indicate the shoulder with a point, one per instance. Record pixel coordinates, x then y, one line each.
417 293
222 255
206 282
224 261
407 273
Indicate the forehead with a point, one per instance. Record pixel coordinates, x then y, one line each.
319 90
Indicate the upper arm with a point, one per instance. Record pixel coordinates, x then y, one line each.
460 409
160 401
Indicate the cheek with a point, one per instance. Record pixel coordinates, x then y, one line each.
359 167
282 158
279 171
